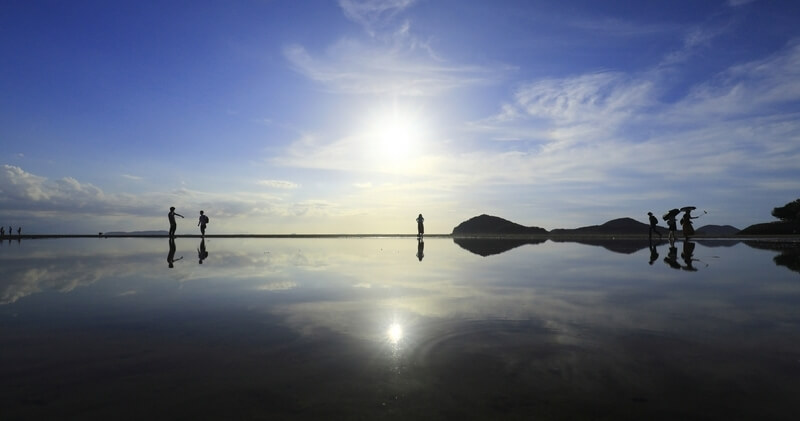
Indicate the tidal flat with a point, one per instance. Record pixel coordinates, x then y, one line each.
396 328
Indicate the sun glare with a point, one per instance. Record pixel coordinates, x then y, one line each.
395 333
395 136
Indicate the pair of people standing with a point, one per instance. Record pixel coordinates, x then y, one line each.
202 222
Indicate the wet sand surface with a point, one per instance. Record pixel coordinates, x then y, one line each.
361 329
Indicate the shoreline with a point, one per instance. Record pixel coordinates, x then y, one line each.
610 237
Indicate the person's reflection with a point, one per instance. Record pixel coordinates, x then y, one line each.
686 255
653 253
672 257
171 256
420 249
202 254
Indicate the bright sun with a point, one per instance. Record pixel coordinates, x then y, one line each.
395 136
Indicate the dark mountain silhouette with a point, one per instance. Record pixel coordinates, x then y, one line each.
489 246
487 225
716 231
620 226
773 228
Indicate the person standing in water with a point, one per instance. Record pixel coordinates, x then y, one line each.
202 223
420 226
686 224
172 224
672 226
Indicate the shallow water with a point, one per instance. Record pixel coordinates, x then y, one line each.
362 328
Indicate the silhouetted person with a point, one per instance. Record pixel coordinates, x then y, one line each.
420 226
653 223
420 249
171 255
686 224
19 231
172 224
202 223
672 226
653 253
672 257
2 231
202 254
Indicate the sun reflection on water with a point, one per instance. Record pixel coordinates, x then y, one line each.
395 333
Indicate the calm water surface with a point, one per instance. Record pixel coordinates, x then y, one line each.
371 328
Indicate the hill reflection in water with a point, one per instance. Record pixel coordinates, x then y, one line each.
362 328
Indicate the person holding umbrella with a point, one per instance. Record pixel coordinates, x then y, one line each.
672 225
686 221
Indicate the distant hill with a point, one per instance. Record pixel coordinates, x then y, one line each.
487 225
153 233
773 228
716 230
620 226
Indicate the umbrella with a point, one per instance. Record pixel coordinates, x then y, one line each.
688 208
671 213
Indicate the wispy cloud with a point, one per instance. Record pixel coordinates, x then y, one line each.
373 13
352 67
278 184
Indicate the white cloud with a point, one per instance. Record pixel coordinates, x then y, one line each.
754 88
352 67
278 184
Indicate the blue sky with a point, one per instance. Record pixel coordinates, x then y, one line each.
354 116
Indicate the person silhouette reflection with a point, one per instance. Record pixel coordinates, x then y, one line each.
653 253
171 255
672 257
202 254
686 255
420 249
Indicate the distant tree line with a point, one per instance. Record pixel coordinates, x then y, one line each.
788 212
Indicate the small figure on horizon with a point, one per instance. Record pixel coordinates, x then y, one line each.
172 224
2 231
653 223
19 231
202 223
420 226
